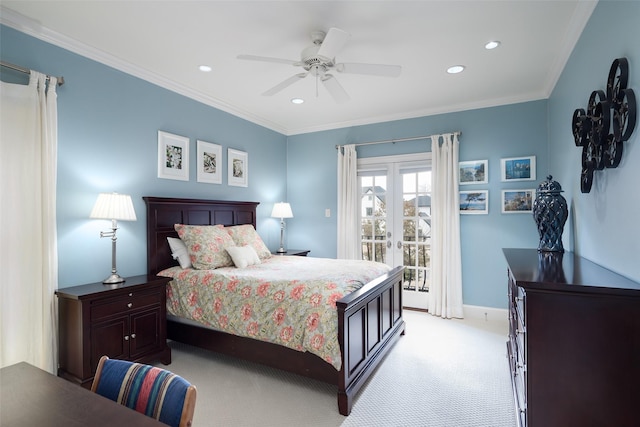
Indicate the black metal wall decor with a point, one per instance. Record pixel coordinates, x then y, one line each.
609 120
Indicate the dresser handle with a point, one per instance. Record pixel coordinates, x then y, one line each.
133 335
129 305
126 337
130 295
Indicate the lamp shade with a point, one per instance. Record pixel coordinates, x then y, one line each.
113 206
282 210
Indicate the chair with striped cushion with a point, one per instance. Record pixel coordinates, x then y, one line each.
153 391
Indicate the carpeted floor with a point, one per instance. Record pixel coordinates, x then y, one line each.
441 373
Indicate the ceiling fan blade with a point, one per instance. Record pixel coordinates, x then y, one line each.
370 69
335 89
333 42
268 59
288 82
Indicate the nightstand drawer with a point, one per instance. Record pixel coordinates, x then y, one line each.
117 306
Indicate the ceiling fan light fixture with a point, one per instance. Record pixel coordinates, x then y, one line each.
492 44
455 69
297 101
319 60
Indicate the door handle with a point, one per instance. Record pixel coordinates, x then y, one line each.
399 244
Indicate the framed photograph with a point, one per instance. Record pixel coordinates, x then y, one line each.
518 168
518 201
238 166
474 172
474 202
209 162
173 156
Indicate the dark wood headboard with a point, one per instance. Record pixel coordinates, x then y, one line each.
163 213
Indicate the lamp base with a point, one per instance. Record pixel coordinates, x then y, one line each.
114 278
282 251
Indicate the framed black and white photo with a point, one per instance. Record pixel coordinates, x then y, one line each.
474 202
238 166
474 172
209 162
518 201
173 156
518 168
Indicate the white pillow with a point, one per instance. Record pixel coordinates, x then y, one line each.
243 256
179 252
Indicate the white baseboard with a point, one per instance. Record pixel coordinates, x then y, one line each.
488 314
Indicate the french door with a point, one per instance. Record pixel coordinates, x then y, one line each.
395 218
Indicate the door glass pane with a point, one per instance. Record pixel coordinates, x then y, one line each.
373 190
416 196
367 229
409 228
381 229
380 253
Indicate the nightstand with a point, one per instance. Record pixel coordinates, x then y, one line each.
125 321
296 252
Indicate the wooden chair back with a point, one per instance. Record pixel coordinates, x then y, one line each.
155 392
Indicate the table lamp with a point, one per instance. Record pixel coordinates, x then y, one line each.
115 207
282 211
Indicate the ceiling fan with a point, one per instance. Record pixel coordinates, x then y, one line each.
319 60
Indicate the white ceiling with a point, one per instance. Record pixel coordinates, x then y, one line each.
164 42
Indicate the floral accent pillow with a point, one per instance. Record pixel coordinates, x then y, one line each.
207 245
247 235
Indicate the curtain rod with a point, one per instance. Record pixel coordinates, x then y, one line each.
27 71
393 141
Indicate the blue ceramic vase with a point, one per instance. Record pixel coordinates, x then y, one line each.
550 213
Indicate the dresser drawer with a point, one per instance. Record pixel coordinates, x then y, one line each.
116 306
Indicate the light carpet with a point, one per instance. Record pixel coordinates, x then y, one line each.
441 373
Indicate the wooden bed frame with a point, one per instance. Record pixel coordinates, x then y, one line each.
369 320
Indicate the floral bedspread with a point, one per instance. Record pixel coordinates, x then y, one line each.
286 300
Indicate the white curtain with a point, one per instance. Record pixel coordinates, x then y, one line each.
445 291
28 252
348 202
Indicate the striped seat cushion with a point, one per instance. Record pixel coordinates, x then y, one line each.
152 391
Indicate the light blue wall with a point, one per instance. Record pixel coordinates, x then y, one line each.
491 133
107 141
108 123
604 224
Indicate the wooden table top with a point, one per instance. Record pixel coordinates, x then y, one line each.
30 396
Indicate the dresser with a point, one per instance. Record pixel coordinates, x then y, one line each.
124 321
574 341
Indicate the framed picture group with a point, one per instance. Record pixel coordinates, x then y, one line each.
173 161
512 169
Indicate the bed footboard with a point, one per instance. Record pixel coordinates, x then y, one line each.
369 323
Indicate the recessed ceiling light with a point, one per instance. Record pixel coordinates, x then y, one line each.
492 45
455 69
297 101
205 68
